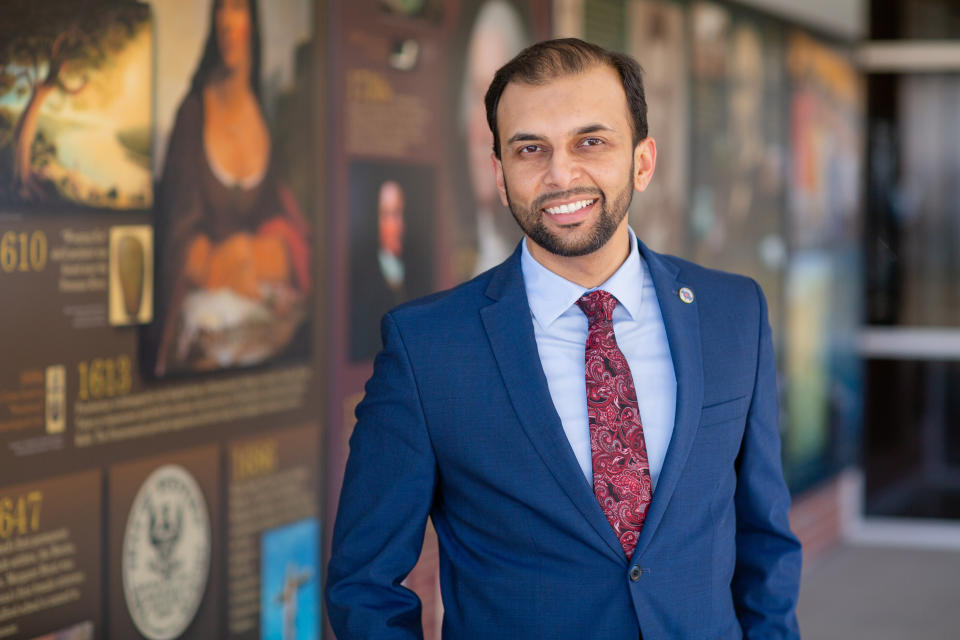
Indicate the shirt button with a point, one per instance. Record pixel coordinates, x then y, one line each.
635 573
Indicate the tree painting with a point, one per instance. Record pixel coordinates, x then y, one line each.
62 68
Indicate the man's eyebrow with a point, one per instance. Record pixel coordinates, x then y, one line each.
523 137
592 128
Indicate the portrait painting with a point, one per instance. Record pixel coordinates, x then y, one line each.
391 214
233 213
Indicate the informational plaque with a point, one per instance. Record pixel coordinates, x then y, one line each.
273 568
51 557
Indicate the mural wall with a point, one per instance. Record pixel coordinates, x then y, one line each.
158 220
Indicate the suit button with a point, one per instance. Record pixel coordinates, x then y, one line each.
635 573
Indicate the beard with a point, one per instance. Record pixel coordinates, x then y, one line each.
610 216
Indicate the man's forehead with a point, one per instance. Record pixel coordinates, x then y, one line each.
593 97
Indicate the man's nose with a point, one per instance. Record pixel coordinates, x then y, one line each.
563 170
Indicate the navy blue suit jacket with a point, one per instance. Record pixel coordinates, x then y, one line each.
458 424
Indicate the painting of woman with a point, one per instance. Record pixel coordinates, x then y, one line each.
234 272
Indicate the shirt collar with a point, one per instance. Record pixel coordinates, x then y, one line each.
550 295
391 267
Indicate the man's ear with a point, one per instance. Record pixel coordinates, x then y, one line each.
644 163
501 184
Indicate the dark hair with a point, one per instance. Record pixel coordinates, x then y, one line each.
211 64
544 61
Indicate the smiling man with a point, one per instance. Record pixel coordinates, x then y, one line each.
591 426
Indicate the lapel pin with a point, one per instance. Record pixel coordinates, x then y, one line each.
686 295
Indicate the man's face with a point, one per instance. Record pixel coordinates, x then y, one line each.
568 165
390 218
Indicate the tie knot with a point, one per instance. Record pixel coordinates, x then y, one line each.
598 306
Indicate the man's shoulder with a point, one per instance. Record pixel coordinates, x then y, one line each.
454 304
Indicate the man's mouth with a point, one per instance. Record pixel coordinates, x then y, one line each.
570 212
572 207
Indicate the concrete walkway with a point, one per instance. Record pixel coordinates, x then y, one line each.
881 593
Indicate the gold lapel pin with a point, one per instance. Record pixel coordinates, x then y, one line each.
686 294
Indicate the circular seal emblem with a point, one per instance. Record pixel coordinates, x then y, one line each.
686 294
166 553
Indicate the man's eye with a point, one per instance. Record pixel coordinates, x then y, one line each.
530 148
591 142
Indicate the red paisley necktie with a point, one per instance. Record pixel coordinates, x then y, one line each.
621 473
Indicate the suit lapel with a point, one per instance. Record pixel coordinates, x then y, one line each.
682 323
509 328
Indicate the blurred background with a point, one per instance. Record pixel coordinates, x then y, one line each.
206 207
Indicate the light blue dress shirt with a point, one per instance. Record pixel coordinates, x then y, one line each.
560 328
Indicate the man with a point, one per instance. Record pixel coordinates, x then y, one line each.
532 411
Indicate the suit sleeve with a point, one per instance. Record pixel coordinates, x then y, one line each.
386 497
766 579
